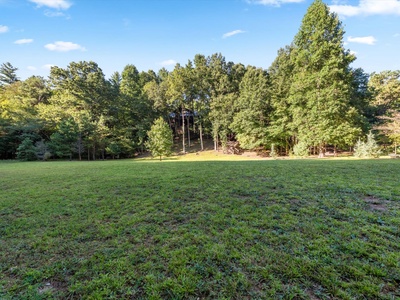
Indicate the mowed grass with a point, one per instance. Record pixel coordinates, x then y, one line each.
271 229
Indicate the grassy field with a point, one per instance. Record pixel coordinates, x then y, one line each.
255 229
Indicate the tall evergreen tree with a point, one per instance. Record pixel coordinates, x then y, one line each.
160 139
280 77
252 110
321 88
8 74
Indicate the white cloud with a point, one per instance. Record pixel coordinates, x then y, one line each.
31 68
368 7
396 35
169 62
3 29
353 53
57 4
273 2
52 14
23 41
368 40
61 46
48 66
232 33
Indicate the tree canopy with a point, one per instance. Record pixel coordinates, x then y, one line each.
310 98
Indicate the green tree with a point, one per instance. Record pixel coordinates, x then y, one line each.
391 127
361 98
8 74
253 110
225 79
180 95
26 151
136 112
160 139
321 89
385 89
280 74
63 141
86 82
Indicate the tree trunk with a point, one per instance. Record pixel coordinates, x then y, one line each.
80 146
201 137
321 153
183 132
160 157
94 152
188 129
395 149
216 142
334 151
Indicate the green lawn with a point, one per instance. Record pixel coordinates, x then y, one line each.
256 229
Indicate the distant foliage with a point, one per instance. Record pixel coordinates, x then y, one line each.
42 150
26 151
310 94
368 149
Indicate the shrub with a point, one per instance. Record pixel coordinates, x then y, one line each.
368 149
301 149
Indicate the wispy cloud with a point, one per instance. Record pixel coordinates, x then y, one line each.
169 62
56 4
396 35
232 33
52 14
48 66
368 40
31 68
3 29
61 46
368 7
273 2
23 41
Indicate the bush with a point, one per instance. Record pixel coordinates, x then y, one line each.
301 149
368 149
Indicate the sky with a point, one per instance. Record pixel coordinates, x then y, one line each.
152 34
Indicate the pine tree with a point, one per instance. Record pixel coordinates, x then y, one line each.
160 139
8 74
280 77
368 149
321 89
252 110
26 150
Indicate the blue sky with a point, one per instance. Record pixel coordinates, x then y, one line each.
151 34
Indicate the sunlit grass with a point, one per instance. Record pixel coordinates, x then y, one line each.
200 228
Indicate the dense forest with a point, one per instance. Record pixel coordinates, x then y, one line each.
310 99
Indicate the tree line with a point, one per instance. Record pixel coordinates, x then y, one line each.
309 98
